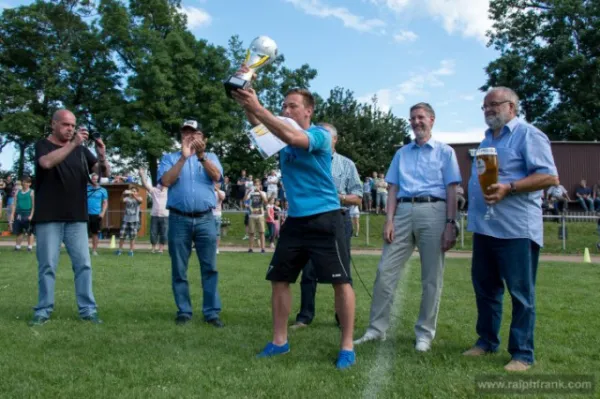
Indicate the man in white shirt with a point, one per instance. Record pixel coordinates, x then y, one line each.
159 220
559 196
272 182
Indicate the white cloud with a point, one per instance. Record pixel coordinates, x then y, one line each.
466 16
405 36
416 85
384 99
469 17
196 17
467 97
394 5
352 21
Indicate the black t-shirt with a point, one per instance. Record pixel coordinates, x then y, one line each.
61 192
8 189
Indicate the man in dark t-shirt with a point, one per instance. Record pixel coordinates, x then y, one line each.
62 167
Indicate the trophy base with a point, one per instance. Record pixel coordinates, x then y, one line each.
235 83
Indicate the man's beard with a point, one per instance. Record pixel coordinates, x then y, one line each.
497 122
421 133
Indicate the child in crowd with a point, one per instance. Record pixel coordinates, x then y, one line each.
131 219
270 221
22 213
217 211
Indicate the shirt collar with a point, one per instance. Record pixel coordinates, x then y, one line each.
507 129
431 143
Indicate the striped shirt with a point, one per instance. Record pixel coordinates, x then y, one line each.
345 176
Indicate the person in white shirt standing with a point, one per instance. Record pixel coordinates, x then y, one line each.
159 219
218 211
272 182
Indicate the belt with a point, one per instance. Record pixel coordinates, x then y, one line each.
413 200
189 214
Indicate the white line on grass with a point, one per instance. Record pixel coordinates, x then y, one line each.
379 375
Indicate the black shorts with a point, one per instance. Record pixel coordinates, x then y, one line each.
246 219
319 238
94 222
22 225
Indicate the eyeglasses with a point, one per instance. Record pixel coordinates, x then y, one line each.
494 104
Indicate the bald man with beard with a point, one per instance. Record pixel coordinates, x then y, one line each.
62 168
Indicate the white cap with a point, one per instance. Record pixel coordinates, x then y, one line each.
190 123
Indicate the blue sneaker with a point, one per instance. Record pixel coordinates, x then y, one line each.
345 359
273 350
118 252
130 253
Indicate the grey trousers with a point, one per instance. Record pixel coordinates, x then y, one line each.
422 225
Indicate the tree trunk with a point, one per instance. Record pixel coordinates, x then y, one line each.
153 168
21 166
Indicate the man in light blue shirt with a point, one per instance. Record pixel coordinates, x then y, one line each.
191 199
506 247
421 211
315 228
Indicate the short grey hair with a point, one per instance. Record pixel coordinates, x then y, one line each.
509 94
424 106
329 128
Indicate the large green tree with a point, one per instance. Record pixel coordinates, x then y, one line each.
51 58
367 135
550 55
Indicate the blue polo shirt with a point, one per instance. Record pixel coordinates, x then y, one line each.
522 151
426 170
95 197
306 175
193 191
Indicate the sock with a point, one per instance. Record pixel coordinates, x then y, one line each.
17 246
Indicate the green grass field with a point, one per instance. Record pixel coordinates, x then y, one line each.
140 353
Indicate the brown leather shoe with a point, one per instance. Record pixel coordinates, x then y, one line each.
475 351
517 365
297 325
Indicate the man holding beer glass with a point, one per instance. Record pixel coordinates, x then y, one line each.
512 166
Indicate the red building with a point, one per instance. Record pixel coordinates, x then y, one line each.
575 160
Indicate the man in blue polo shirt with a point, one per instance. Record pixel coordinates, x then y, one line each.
421 211
506 247
315 227
190 175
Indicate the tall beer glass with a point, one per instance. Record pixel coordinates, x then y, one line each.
487 170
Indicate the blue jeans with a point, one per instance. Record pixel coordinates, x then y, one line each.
586 203
75 237
158 230
308 282
514 262
202 231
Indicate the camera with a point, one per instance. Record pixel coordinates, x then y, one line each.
95 135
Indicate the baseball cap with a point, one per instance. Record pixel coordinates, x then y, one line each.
191 123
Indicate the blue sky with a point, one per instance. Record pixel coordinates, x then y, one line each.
404 51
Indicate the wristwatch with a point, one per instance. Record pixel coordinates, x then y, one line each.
202 159
453 223
513 188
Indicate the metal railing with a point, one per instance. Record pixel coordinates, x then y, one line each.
112 222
